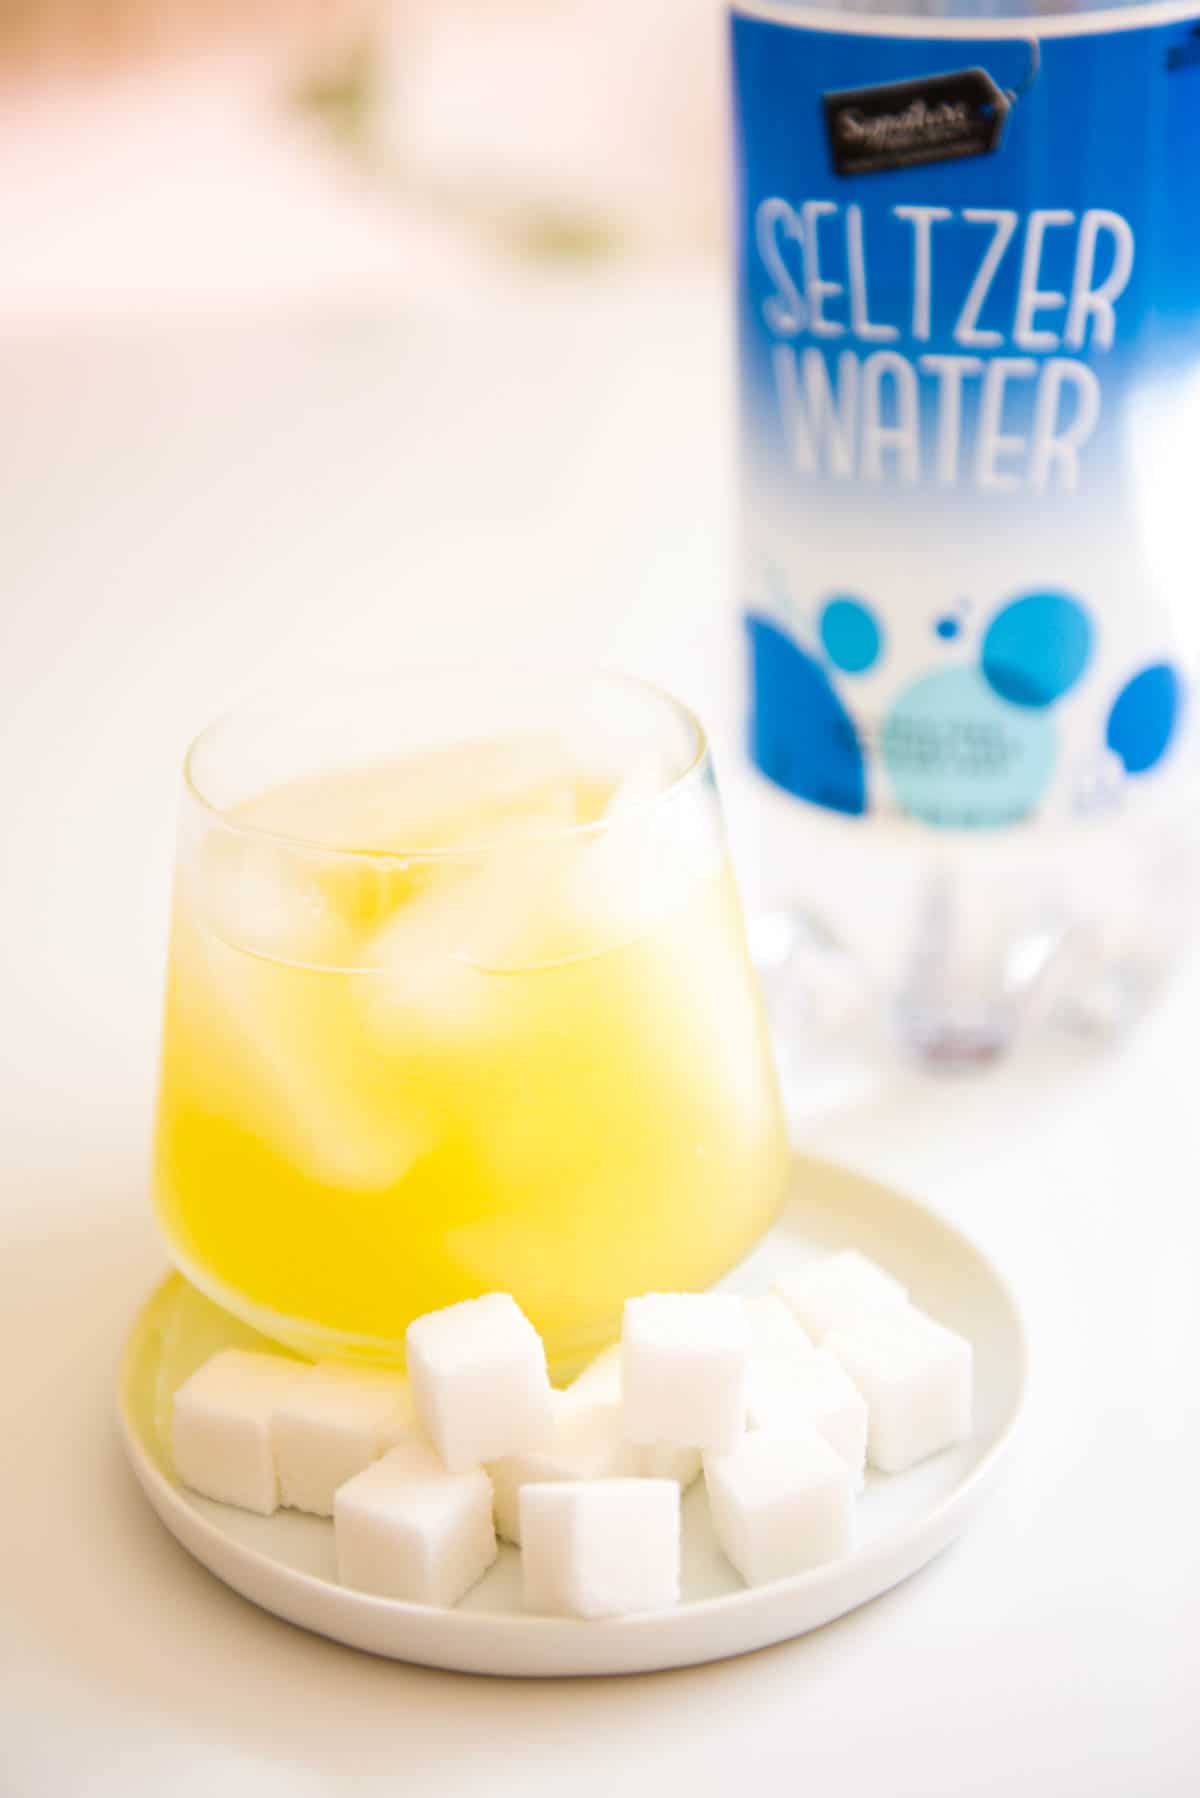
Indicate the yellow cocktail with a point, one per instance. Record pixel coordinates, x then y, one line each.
451 1019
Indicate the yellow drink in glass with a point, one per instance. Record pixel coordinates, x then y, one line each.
457 1019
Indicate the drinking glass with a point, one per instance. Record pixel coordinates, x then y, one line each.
459 1001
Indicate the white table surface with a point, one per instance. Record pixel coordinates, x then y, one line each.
188 510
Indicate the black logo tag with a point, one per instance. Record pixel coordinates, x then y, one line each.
932 119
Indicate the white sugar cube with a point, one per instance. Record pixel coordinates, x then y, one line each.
916 1378
600 1385
331 1425
774 1331
587 1444
816 1393
667 1461
838 1290
479 1381
781 1503
683 1369
405 1528
600 1381
600 1548
222 1425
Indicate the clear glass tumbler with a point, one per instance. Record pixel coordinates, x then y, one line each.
459 1000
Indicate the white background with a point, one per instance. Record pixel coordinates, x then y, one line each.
331 474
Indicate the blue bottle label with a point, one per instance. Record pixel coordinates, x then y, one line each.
969 353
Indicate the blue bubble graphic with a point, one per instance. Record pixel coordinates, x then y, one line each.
960 758
851 634
801 735
1144 715
1036 648
948 628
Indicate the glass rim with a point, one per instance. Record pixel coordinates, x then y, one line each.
692 771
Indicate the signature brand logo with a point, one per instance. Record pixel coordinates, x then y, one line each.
902 123
918 124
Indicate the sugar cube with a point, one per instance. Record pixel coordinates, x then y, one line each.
916 1378
600 1548
331 1425
816 1392
222 1425
479 1381
774 1331
405 1528
600 1381
587 1444
600 1384
683 1369
837 1290
781 1503
667 1461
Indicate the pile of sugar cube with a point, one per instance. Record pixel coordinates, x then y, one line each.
781 1399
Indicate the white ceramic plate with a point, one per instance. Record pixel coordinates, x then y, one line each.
285 1563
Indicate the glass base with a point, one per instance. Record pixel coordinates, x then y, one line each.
313 1341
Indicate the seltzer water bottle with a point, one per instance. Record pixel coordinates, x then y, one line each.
968 326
